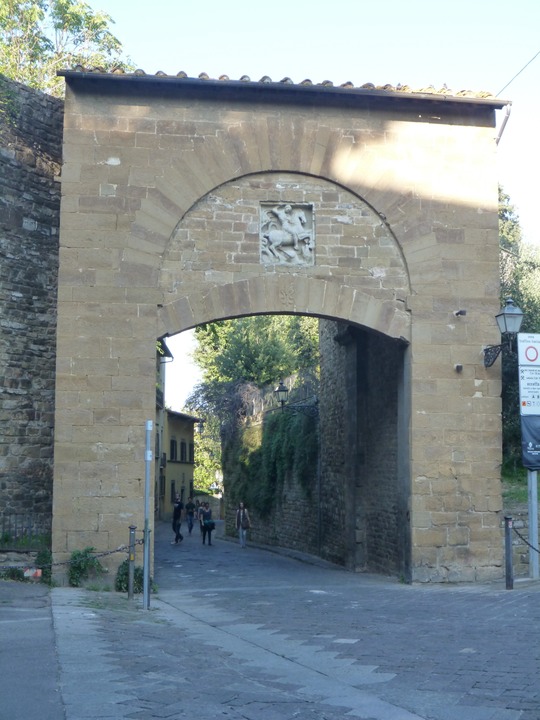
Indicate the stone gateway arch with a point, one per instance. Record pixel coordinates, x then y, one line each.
191 200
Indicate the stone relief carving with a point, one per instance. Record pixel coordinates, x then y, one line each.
286 234
286 296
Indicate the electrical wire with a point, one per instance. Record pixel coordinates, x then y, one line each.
518 73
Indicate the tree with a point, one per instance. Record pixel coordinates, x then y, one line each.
520 280
259 349
40 37
207 473
239 358
519 266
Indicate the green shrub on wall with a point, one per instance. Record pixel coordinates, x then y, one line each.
260 459
9 103
82 564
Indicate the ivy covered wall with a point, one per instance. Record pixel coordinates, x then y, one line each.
271 464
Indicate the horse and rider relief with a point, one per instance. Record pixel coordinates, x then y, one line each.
286 234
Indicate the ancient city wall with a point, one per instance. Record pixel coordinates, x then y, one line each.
134 266
30 158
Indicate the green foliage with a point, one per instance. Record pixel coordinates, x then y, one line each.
207 473
259 349
25 542
519 266
121 583
520 280
514 479
262 459
40 37
9 104
238 359
14 573
81 564
44 563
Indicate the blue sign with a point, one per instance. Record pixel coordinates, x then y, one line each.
530 441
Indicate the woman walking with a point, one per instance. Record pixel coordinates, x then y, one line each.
243 523
207 524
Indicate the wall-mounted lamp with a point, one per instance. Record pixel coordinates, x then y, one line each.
509 320
282 394
306 408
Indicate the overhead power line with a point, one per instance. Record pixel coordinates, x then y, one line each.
518 73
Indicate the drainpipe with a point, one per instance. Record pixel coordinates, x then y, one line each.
506 117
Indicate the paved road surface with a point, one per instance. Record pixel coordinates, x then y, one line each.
255 635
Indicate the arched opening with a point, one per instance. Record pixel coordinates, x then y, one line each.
349 502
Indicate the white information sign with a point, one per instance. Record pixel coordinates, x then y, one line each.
529 400
529 373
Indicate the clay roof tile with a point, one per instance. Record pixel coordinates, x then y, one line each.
399 88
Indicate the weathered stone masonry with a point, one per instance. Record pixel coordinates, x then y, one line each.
143 253
30 158
146 250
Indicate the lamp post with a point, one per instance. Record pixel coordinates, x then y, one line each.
509 320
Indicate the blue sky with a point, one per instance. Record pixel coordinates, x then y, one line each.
465 44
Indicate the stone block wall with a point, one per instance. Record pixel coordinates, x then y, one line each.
293 523
30 158
143 254
339 455
382 491
365 494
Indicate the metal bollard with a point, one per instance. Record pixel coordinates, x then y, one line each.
508 552
131 565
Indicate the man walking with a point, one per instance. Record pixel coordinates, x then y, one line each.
177 520
190 513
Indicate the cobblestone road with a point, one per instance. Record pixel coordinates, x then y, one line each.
255 635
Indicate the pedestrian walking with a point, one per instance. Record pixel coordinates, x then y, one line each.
190 512
200 510
243 523
177 520
207 524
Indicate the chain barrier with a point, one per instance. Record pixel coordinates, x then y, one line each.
525 540
121 548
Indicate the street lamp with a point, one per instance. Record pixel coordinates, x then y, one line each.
306 408
282 394
509 320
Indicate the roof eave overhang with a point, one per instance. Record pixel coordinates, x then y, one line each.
249 90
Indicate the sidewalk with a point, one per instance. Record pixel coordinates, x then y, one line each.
251 634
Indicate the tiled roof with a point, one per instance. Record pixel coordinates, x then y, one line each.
265 80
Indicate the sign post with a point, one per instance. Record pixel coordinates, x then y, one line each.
146 563
529 403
